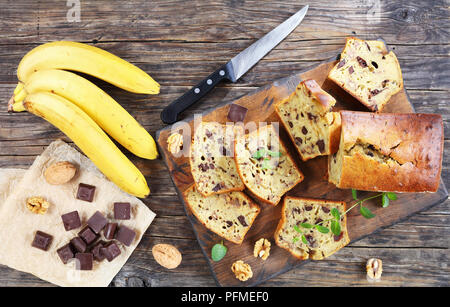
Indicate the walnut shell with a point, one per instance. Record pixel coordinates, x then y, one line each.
167 255
60 172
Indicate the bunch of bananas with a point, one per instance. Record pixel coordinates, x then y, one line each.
83 111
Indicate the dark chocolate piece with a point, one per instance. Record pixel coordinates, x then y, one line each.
65 253
84 261
71 220
78 244
125 235
87 235
237 113
42 240
97 222
98 255
122 211
110 251
110 231
86 192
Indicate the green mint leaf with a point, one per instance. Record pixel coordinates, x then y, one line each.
335 228
295 239
259 154
385 200
322 229
304 239
306 225
354 194
218 251
391 195
266 164
366 212
297 229
335 213
274 153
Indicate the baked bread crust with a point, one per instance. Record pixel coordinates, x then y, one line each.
298 210
388 152
212 159
306 115
267 180
230 215
368 72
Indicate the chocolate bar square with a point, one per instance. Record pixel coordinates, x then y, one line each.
86 192
97 222
84 261
87 235
65 253
98 255
110 231
42 240
110 251
122 211
125 235
78 244
237 113
71 220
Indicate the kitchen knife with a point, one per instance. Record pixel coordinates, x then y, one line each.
235 68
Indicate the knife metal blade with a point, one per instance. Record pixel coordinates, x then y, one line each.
235 68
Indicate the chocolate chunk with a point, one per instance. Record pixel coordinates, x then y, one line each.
298 140
71 220
361 62
237 113
229 223
311 116
203 167
368 47
97 222
65 253
308 208
78 244
375 92
122 211
87 235
337 238
241 219
84 261
110 251
310 240
321 145
208 133
110 231
304 130
211 166
384 83
351 70
96 251
290 124
375 64
125 235
319 220
42 240
325 209
86 192
224 151
341 63
217 187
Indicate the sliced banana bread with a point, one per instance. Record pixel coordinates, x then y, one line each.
318 245
311 126
368 72
212 160
230 215
264 165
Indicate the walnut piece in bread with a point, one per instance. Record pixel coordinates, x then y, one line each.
308 119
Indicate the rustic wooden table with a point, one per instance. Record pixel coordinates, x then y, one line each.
179 43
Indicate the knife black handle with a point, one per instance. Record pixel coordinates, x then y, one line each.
170 113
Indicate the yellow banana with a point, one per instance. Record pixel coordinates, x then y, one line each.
101 107
88 136
89 60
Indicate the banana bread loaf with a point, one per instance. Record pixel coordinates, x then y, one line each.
317 245
212 160
311 126
230 215
368 72
264 165
388 152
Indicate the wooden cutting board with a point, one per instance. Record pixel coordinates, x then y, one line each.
260 105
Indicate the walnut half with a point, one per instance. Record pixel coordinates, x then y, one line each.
37 205
242 270
374 269
262 249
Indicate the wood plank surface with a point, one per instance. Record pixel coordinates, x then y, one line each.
179 43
